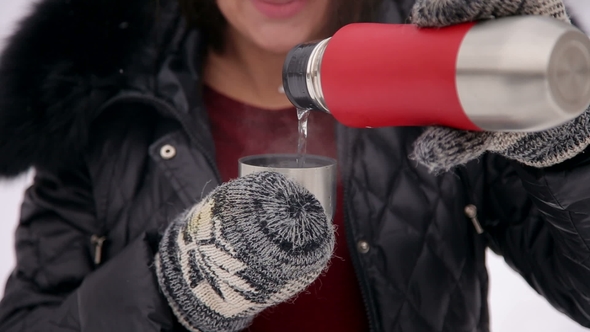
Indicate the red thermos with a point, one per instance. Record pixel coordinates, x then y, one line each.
512 74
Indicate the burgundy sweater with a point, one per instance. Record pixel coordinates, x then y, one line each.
333 302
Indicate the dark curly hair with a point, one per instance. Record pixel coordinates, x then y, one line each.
204 15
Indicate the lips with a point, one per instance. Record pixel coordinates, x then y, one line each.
279 9
277 2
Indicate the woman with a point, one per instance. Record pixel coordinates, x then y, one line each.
129 116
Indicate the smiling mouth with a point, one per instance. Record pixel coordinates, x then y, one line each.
279 9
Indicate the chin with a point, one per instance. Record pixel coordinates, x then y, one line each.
281 38
275 48
279 44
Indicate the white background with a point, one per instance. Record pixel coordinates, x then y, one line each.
514 306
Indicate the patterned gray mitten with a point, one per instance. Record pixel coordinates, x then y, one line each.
251 243
442 148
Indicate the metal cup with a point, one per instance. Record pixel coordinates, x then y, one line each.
317 174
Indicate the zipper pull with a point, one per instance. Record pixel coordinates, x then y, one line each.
471 213
97 241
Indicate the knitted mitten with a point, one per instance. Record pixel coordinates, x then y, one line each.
441 148
440 13
251 243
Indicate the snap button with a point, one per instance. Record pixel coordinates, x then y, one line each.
167 152
363 247
471 211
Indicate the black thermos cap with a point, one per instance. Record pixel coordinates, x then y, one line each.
294 76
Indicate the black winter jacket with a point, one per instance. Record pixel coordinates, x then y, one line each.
92 92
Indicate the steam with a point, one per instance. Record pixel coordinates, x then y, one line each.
284 123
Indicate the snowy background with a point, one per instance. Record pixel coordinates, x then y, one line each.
514 306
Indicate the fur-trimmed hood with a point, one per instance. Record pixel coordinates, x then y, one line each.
65 60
